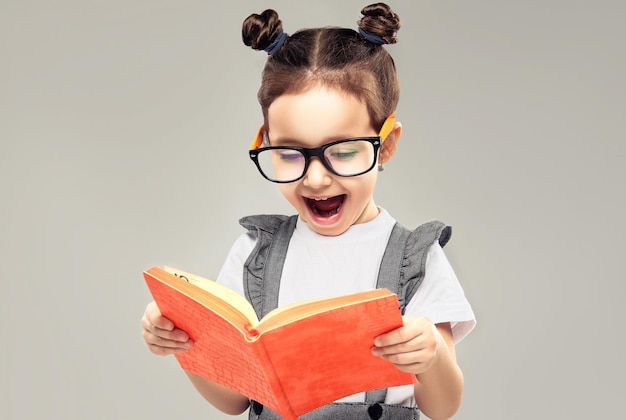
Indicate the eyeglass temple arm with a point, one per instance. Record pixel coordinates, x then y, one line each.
258 139
387 127
384 132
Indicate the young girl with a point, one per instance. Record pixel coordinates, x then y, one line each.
328 97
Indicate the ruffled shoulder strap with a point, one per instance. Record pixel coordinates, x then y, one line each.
404 262
264 266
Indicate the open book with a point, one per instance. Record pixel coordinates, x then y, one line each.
297 358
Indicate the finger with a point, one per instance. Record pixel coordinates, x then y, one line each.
412 362
416 344
154 340
397 336
149 325
414 327
176 334
157 340
408 357
154 316
164 351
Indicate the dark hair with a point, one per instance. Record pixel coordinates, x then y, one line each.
338 58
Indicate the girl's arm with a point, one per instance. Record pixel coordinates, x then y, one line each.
439 390
163 338
427 351
222 398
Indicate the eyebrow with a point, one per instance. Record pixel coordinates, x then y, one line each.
298 143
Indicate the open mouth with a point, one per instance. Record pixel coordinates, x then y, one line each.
326 207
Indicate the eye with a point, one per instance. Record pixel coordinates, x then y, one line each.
343 152
289 156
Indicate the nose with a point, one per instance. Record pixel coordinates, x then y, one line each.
317 175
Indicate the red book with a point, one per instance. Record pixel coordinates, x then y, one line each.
297 358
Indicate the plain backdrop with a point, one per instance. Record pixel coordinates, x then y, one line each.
124 128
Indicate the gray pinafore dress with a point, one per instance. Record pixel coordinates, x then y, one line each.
402 270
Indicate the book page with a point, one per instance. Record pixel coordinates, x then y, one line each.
216 289
296 311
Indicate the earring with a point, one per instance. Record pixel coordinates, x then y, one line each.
380 167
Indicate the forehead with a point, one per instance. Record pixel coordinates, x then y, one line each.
317 115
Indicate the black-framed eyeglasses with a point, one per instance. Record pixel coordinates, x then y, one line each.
349 157
346 158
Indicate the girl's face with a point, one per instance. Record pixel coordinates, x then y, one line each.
328 203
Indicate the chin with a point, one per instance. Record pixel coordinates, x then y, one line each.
331 231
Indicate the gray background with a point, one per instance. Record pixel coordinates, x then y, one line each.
124 128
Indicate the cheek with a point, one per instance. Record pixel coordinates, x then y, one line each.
290 193
363 187
369 180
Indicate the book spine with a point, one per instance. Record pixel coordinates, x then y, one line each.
284 407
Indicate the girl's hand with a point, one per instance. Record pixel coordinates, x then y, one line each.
161 335
412 348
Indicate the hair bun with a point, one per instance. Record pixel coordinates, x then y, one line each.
260 31
378 19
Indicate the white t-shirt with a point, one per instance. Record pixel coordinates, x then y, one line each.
318 266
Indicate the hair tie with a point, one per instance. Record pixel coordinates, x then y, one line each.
374 39
277 43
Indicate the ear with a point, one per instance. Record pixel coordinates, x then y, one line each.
388 148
